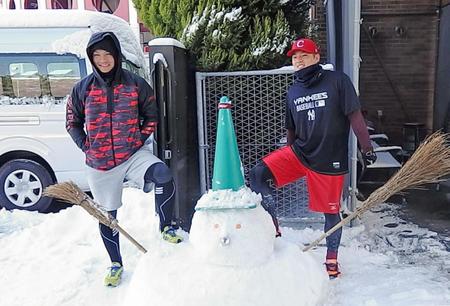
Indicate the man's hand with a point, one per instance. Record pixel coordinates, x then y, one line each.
369 157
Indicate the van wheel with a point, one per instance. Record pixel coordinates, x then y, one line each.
22 182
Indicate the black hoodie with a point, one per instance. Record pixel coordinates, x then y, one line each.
110 121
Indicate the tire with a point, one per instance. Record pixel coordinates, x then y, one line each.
22 182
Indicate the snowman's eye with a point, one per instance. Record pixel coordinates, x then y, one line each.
238 226
216 225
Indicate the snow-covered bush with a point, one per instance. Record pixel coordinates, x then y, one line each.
226 35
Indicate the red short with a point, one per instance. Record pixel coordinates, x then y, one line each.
324 190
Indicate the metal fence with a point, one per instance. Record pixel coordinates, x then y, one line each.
258 99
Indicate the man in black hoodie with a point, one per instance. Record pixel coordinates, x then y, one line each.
320 107
110 114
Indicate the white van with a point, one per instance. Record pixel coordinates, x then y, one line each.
42 55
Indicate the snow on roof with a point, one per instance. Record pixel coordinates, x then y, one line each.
83 24
159 57
165 41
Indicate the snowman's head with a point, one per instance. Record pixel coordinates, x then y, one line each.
233 237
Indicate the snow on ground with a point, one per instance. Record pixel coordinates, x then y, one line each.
59 259
233 258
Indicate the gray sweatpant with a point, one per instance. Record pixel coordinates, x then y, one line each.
106 186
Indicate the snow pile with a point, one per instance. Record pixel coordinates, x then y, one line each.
172 277
411 243
59 260
231 259
5 100
244 197
74 43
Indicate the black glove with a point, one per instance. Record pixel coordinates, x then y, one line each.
369 157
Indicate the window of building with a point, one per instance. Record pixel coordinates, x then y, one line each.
30 4
62 4
106 6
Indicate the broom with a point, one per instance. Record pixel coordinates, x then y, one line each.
69 192
430 162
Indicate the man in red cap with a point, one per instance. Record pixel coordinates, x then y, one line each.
321 106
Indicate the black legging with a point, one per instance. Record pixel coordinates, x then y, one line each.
259 183
334 240
160 175
111 240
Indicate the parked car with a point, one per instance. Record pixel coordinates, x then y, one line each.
42 55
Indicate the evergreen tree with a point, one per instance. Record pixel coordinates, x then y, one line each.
241 35
229 34
166 18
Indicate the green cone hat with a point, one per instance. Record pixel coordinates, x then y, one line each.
228 172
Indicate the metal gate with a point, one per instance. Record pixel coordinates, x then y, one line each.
258 99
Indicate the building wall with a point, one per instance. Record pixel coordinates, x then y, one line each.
320 30
125 9
397 72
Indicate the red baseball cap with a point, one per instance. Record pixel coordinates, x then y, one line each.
305 45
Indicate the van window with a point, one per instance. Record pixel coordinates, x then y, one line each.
36 76
62 77
25 79
133 68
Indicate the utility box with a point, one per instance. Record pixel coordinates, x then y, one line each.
176 137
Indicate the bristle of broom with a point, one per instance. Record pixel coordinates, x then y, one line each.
428 164
69 192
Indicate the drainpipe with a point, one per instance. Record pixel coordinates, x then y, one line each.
356 9
436 63
331 32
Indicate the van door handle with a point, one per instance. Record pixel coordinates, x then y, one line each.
19 120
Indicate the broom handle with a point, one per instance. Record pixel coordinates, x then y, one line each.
92 205
122 231
333 229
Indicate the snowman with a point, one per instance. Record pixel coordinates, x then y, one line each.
224 234
232 257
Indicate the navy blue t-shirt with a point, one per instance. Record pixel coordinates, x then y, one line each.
318 115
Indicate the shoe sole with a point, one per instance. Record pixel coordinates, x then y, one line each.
112 284
172 241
